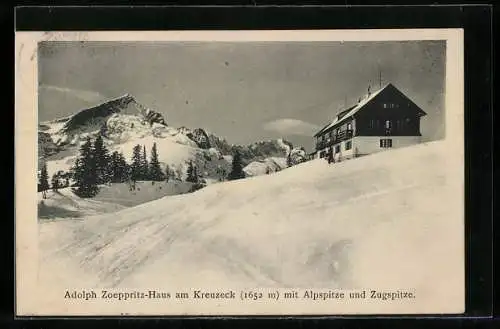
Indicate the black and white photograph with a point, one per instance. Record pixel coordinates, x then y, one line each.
265 176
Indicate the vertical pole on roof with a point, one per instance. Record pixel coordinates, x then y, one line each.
379 77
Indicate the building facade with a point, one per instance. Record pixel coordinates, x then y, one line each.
382 120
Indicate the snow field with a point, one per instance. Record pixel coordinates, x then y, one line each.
352 224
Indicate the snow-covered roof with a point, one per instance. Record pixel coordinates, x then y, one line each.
343 115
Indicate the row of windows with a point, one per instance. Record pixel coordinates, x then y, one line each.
388 123
390 106
347 147
385 143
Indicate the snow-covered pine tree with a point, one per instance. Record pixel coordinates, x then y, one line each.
85 173
193 177
119 168
191 173
136 166
55 182
114 167
145 165
102 160
43 184
236 168
289 162
167 173
155 172
125 174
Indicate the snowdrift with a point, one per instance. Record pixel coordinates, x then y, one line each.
65 204
111 198
385 220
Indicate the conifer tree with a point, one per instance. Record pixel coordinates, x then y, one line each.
43 184
155 172
55 182
118 167
289 162
237 168
168 173
191 173
85 172
101 156
145 165
193 177
136 166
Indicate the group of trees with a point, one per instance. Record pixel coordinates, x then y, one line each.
95 165
141 168
59 180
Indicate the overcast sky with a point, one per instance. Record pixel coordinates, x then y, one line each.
242 91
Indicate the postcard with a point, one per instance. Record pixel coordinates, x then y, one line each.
232 173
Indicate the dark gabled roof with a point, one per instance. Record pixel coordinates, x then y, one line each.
343 115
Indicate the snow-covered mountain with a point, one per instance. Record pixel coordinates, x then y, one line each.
266 166
124 122
311 226
71 130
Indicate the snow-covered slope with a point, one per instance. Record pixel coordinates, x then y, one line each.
388 219
176 151
64 204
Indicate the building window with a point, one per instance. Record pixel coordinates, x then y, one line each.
337 148
388 124
390 106
385 143
348 145
371 124
349 126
